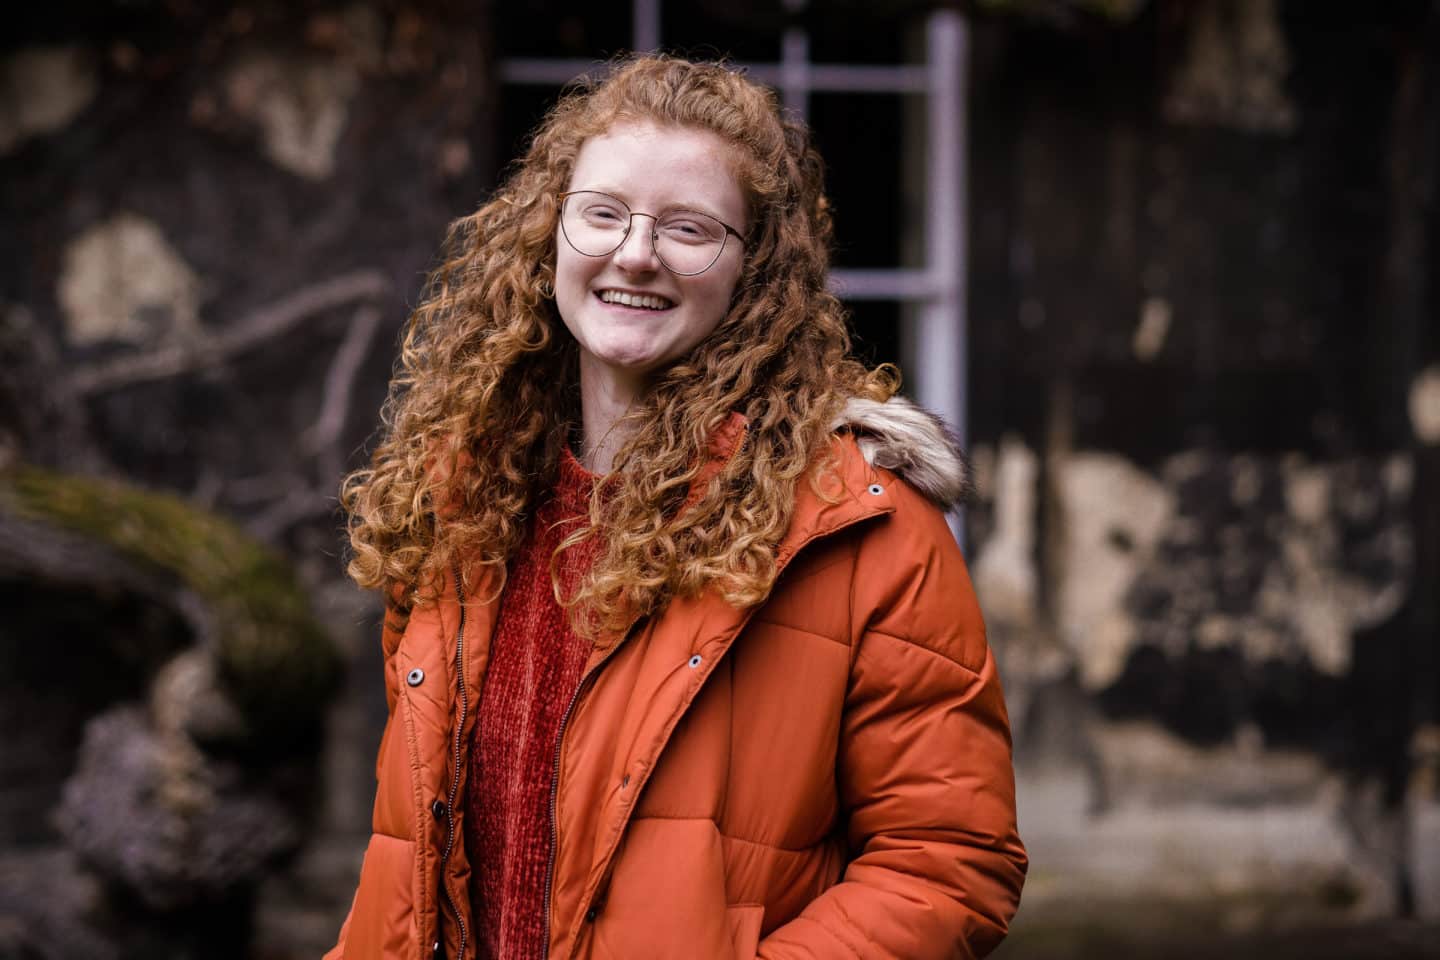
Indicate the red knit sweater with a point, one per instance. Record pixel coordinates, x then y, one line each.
535 666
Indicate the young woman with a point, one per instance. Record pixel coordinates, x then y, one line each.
682 659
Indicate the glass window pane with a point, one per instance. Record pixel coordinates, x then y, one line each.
707 29
521 108
562 28
860 138
875 327
860 31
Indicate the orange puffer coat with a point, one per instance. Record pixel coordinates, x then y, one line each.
825 775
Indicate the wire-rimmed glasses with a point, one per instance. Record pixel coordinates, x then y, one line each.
687 242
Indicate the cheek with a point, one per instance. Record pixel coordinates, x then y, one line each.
717 294
711 308
571 280
566 266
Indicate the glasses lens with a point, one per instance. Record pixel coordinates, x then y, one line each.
594 223
689 242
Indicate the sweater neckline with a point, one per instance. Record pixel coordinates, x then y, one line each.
574 483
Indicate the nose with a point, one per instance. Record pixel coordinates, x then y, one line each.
636 253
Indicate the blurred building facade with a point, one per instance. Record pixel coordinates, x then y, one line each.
1185 250
1203 334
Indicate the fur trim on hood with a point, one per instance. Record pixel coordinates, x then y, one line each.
913 443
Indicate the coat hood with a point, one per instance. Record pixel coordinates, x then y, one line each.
911 442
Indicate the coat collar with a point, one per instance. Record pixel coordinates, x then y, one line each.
844 488
896 434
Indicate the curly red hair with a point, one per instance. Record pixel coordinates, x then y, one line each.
474 421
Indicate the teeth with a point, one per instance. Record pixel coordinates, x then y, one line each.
649 301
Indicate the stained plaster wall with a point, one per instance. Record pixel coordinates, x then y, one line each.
1203 391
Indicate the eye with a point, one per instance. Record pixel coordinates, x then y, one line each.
604 212
688 229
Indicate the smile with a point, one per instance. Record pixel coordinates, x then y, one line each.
645 301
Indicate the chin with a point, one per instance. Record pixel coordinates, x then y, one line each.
632 362
634 354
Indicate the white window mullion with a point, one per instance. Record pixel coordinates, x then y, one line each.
816 78
885 283
940 339
645 26
794 79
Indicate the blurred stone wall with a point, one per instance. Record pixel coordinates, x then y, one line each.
1204 354
216 217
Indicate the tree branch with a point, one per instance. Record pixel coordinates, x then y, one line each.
265 324
340 381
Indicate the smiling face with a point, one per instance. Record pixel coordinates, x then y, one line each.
630 314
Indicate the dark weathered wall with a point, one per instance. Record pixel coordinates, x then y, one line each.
1204 394
215 217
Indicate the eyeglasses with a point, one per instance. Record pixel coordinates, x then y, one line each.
687 242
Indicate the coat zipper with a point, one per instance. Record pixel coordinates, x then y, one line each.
555 783
455 776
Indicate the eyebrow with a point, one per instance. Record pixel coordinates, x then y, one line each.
693 207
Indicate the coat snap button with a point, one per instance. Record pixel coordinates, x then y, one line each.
438 809
695 661
625 781
414 677
875 489
591 914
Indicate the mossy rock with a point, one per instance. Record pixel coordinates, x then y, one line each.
241 597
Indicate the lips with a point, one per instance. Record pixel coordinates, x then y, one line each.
643 301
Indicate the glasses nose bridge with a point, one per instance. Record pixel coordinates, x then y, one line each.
654 233
654 222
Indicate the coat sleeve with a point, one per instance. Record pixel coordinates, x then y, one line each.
924 768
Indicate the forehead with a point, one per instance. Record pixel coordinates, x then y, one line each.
643 163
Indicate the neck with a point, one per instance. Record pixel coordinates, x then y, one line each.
605 398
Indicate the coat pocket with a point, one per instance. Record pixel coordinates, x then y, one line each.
744 920
382 921
666 898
